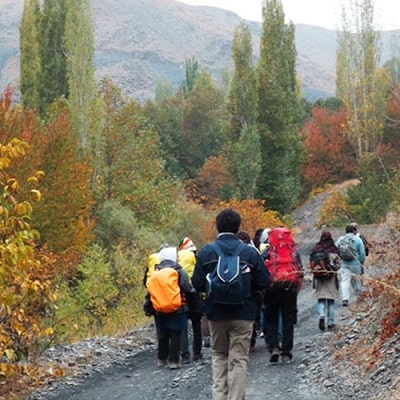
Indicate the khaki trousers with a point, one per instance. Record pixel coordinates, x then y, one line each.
230 355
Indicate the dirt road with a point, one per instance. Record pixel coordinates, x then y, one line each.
138 378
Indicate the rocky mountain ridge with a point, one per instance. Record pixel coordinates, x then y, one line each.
141 42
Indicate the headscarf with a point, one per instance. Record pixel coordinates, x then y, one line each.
325 243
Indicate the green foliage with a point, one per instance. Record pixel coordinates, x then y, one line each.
375 177
278 111
53 77
30 59
202 121
115 224
247 162
107 296
79 46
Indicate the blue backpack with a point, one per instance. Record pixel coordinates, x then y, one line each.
225 282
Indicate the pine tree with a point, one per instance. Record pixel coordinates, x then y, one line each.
30 59
278 110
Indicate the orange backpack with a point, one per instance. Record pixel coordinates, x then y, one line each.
164 290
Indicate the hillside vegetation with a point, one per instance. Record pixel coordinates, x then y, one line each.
94 179
139 43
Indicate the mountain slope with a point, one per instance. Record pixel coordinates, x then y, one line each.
141 42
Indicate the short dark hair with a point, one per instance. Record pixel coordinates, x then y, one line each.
228 220
351 229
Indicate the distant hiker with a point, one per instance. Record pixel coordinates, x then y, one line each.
284 265
367 245
230 324
257 296
257 237
352 253
167 286
326 283
187 259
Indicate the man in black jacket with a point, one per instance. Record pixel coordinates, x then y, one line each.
230 326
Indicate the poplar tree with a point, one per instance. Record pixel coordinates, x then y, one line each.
358 82
278 110
53 77
243 147
30 59
79 47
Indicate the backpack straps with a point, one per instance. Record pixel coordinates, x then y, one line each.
219 252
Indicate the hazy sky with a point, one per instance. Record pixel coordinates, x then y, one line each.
323 13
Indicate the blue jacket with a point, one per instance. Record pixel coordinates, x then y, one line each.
356 264
255 277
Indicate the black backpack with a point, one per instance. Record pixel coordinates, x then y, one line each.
320 265
225 282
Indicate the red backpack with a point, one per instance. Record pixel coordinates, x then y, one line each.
281 260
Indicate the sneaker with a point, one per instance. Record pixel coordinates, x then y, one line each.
345 303
161 363
174 366
321 324
197 356
332 327
274 357
286 358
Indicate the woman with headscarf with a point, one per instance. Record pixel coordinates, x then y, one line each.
327 288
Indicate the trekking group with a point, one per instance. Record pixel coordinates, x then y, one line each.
236 287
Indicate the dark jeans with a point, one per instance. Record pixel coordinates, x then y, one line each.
169 345
280 299
197 334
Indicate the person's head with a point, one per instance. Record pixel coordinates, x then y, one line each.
167 253
264 235
186 244
351 229
325 236
354 225
244 237
228 220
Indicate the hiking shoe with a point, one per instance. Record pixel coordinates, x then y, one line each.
286 359
197 356
161 363
321 324
252 349
186 358
345 303
274 357
174 365
207 341
332 327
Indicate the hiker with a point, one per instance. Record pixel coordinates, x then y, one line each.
257 296
231 325
170 309
326 284
284 265
365 242
352 254
187 260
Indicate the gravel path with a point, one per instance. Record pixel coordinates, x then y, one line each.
137 377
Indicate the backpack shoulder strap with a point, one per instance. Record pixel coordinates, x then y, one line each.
218 250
